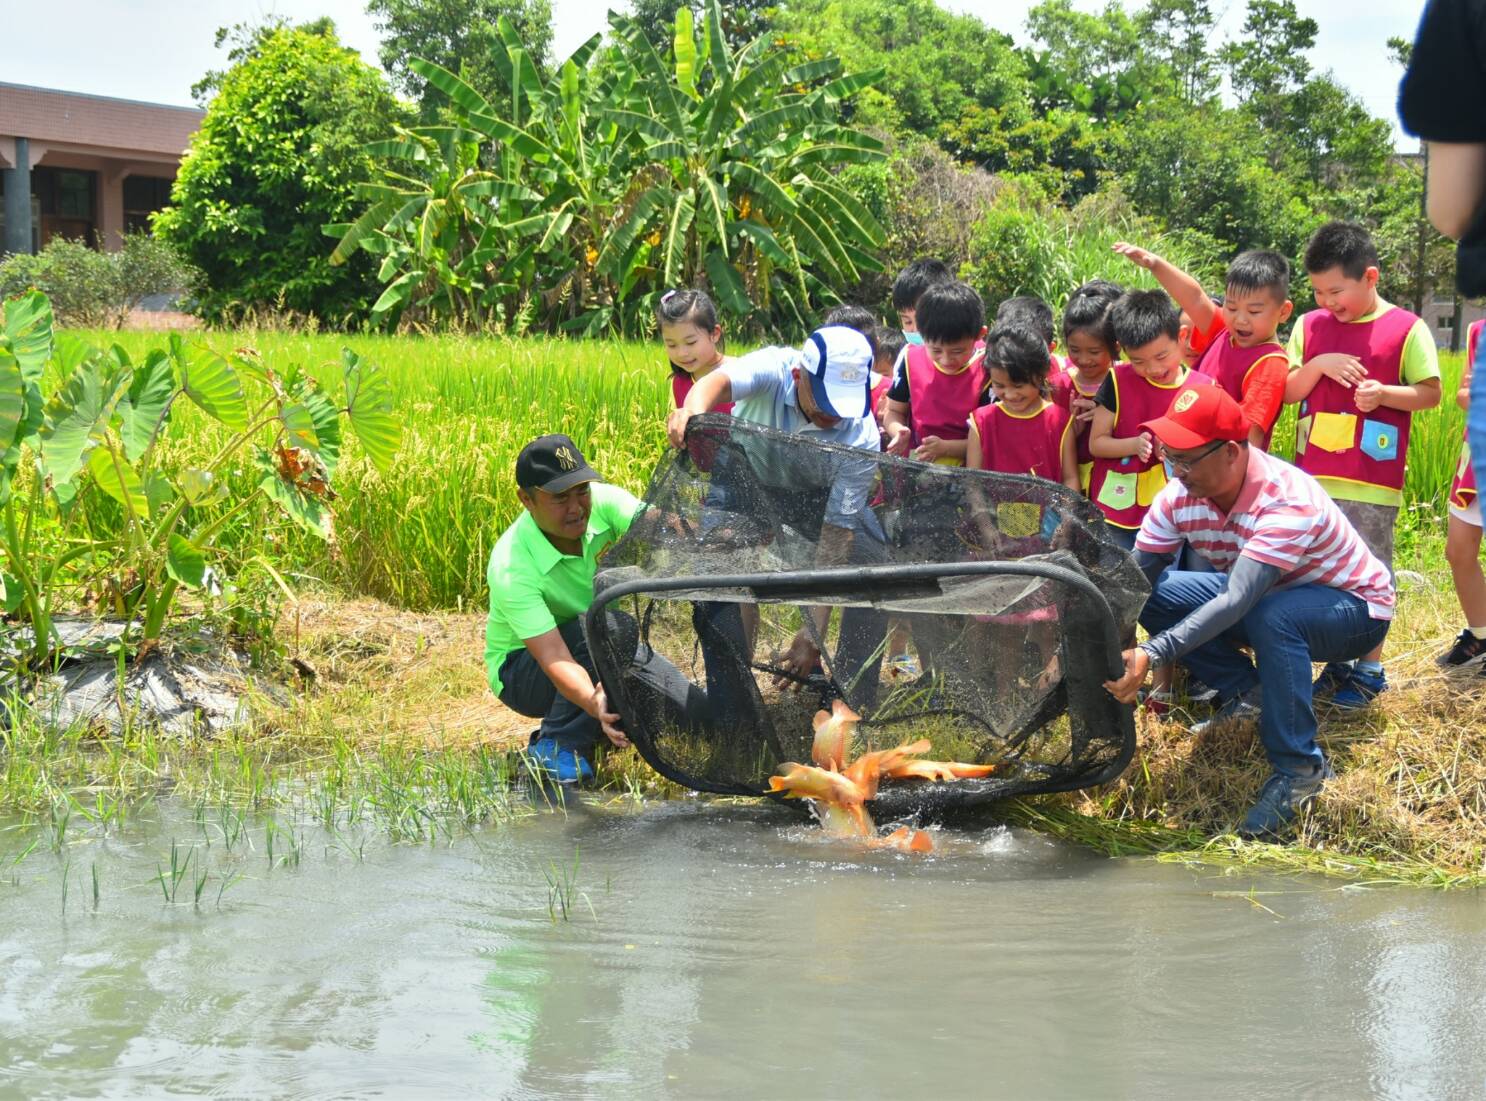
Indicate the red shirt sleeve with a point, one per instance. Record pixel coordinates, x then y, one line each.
681 384
1264 390
1202 341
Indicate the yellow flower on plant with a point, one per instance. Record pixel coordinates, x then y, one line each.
744 207
654 238
591 255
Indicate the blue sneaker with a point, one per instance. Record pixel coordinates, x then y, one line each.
1359 691
1281 799
566 766
1336 674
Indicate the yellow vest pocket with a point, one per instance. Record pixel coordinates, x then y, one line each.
1150 483
1335 432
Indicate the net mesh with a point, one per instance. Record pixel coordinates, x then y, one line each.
1006 592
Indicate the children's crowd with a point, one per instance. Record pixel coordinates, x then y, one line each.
1069 402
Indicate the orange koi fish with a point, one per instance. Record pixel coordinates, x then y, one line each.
829 788
868 769
938 770
905 840
834 731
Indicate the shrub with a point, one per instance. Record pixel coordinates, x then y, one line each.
97 290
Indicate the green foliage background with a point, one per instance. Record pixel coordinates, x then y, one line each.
279 153
1016 158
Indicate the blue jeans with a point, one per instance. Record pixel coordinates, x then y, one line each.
1288 630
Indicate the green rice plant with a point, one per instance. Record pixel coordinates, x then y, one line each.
562 890
180 867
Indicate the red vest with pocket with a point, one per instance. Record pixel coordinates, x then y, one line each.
1333 439
1124 488
939 404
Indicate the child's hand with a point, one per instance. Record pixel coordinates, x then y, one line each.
1345 369
1138 256
931 450
899 436
676 427
1146 447
1082 410
1369 395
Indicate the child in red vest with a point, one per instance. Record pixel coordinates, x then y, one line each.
890 348
1128 471
693 339
1022 432
1242 353
1360 368
1463 539
909 287
1091 350
942 381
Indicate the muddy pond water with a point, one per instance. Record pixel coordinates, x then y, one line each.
713 951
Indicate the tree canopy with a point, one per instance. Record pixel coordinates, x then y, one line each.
279 153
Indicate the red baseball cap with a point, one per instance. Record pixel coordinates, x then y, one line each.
1199 415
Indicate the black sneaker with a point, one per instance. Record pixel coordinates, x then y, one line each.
1468 650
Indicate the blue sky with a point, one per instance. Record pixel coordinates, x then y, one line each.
152 50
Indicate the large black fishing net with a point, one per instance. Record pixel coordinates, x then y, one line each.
1007 591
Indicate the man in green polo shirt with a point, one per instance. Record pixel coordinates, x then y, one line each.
541 584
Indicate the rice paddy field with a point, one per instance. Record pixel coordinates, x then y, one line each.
389 619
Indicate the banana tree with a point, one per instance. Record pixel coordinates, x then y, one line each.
96 487
620 174
470 219
748 144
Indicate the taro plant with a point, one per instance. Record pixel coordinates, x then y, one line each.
82 476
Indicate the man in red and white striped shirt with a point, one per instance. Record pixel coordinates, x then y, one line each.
1294 582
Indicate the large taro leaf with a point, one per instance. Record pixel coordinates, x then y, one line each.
119 480
144 408
369 406
72 419
327 420
210 382
28 328
307 511
10 457
12 398
299 426
185 561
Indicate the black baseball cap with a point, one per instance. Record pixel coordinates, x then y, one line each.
553 463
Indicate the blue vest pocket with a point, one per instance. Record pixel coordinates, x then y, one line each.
1379 441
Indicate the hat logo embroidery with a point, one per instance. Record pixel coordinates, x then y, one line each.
1184 401
566 459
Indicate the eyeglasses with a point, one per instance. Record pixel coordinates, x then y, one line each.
1183 467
